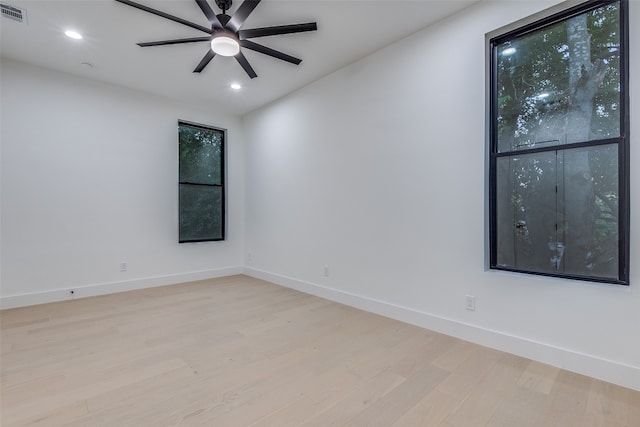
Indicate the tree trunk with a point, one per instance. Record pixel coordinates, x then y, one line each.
506 218
579 198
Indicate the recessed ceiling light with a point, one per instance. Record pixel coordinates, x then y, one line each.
73 34
235 86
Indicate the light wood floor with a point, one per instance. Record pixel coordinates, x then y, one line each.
241 352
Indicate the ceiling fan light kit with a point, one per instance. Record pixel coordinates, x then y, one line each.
225 36
225 44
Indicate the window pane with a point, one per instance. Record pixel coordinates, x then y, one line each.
201 212
200 155
588 226
526 209
560 84
557 212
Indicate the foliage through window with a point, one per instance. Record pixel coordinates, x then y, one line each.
201 183
559 180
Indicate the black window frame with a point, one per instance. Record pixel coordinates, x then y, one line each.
622 141
222 184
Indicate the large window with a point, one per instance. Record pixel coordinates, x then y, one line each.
201 187
559 179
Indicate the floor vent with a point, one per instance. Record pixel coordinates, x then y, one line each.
13 13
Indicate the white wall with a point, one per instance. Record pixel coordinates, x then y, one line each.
378 172
89 180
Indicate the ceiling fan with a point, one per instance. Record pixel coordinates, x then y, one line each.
225 36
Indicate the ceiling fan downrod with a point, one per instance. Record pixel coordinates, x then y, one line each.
224 5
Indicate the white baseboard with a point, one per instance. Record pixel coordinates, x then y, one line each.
22 300
585 364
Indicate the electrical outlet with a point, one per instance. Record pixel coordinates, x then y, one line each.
249 257
326 271
123 266
470 302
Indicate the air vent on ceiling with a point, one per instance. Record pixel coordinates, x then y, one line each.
13 13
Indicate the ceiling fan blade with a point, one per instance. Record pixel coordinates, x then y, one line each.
245 65
175 41
268 51
165 15
277 30
241 14
205 61
210 14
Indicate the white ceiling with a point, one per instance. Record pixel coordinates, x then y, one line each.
347 31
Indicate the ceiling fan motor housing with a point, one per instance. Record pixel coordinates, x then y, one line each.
224 18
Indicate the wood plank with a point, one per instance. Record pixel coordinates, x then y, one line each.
392 406
497 384
431 410
469 373
356 402
568 401
538 377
